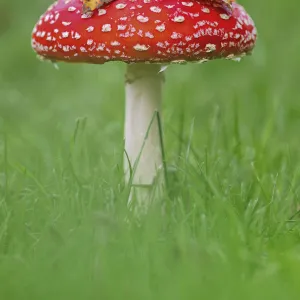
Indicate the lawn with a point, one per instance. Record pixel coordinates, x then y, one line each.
232 143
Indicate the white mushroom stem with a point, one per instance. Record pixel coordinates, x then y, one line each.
142 135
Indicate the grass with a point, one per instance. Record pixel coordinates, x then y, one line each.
232 147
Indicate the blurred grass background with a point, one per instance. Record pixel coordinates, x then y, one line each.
230 231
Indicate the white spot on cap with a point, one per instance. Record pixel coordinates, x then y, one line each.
147 1
106 28
87 15
89 42
224 16
210 48
71 8
160 28
176 35
179 62
230 56
77 36
66 48
203 60
123 18
101 12
142 19
169 6
115 43
66 23
90 29
224 44
178 19
149 35
139 47
161 45
189 4
238 26
100 47
155 9
122 27
126 34
56 30
65 34
82 49
121 5
200 23
205 10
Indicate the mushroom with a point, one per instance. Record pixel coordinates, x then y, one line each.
145 34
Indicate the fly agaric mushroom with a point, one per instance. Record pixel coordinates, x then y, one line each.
146 34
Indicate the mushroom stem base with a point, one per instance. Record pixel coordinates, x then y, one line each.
142 136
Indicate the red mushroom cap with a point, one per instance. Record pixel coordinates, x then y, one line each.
160 31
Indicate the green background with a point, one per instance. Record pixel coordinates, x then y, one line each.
232 146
